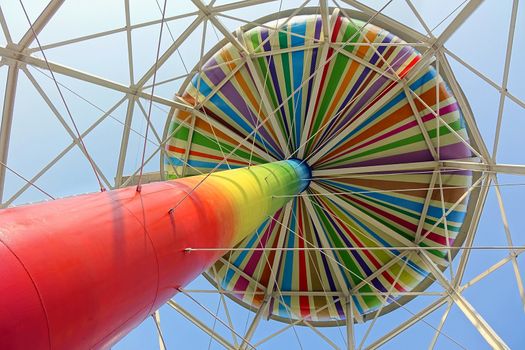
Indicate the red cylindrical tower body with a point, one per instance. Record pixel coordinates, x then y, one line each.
81 272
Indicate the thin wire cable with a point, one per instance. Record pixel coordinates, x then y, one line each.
367 174
394 191
79 136
26 180
450 14
211 313
214 322
276 285
173 39
94 105
430 276
270 61
517 248
265 121
139 181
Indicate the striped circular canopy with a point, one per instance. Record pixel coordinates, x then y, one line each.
372 118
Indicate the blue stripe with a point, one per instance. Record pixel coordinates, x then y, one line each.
220 103
298 68
436 212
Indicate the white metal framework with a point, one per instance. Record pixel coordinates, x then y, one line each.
203 24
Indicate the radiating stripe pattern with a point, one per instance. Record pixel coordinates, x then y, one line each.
337 102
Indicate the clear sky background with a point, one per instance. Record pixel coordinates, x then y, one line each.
38 137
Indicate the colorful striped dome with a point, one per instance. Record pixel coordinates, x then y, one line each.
340 104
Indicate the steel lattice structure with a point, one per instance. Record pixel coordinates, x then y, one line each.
155 87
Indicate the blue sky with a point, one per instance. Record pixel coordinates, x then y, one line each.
37 137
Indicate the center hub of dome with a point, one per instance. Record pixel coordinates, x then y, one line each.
304 171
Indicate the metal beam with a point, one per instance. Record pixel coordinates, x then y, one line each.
225 306
62 121
386 20
251 69
188 315
486 331
239 4
170 51
329 253
323 52
248 344
512 169
177 102
474 132
506 70
7 121
156 318
471 231
426 204
407 324
124 141
280 243
39 24
93 79
425 60
369 219
60 155
486 79
458 21
463 164
430 165
129 42
440 326
255 323
350 336
512 252
5 29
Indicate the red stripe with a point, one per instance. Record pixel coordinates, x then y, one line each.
409 66
303 285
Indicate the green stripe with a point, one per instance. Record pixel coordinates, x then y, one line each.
285 63
443 130
337 242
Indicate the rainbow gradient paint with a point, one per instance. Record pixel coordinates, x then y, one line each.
248 196
80 272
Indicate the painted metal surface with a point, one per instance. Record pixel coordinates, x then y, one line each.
81 272
357 99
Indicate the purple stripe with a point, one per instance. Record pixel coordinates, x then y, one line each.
216 76
403 55
378 285
325 262
339 308
454 151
